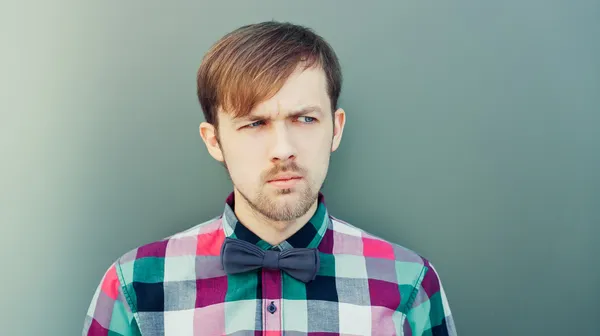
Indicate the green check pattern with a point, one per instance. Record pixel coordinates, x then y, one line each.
177 286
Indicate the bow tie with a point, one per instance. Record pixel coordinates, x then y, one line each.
241 256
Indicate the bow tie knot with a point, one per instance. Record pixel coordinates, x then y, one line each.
271 259
239 256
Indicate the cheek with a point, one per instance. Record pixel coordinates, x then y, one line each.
243 162
315 154
240 149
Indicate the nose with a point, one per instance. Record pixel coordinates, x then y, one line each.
283 148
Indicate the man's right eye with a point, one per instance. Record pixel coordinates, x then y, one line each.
255 124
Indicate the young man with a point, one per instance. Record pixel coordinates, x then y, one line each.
275 262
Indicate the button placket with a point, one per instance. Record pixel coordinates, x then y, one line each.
272 292
272 308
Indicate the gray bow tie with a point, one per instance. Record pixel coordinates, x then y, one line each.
241 256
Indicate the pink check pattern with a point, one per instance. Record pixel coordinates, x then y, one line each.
177 286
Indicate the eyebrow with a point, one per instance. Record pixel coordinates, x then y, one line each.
294 113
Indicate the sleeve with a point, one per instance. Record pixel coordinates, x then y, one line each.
429 313
109 312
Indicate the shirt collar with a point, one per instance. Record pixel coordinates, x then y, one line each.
309 235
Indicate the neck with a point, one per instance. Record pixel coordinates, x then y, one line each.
273 232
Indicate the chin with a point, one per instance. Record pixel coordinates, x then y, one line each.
287 192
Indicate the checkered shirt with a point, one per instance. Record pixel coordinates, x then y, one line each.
177 287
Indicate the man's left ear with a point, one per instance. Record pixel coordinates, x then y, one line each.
339 120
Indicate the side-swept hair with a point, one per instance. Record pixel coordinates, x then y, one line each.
250 65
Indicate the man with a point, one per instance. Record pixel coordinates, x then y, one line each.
275 262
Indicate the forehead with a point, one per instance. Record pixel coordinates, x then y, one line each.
304 88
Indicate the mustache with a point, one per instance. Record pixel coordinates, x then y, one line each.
291 167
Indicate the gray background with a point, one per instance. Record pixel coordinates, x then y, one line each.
472 137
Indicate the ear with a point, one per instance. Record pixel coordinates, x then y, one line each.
209 136
339 120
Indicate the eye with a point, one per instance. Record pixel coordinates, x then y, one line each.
255 124
308 120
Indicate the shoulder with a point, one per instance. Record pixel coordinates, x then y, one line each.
382 256
146 263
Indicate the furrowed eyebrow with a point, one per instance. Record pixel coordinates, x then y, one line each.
307 109
293 113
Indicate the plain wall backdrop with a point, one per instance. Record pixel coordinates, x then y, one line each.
473 138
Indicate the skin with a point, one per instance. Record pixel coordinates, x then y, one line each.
292 132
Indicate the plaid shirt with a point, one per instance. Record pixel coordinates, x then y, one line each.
177 287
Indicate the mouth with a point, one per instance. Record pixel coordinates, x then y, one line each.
285 182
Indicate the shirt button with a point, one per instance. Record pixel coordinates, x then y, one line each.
272 308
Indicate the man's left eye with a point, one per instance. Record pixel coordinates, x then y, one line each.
308 120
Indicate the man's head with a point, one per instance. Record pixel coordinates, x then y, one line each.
269 94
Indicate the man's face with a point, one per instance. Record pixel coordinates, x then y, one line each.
289 135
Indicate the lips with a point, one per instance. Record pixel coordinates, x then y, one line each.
285 182
285 178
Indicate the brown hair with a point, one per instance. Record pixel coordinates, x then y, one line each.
250 64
